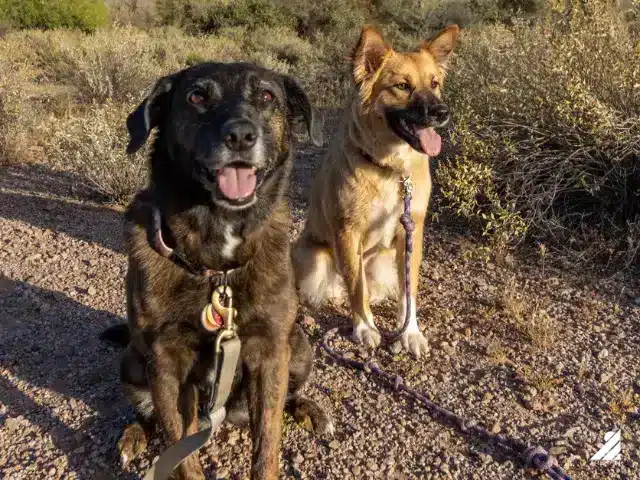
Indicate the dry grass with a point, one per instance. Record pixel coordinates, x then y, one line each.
528 316
94 146
623 403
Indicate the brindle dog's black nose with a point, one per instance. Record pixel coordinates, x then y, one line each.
439 112
239 134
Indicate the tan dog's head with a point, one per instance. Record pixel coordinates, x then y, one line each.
404 89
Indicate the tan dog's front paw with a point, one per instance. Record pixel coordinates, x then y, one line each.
366 334
412 341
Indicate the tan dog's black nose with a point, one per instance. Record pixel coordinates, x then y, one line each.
239 135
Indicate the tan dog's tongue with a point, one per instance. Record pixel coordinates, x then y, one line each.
236 183
430 141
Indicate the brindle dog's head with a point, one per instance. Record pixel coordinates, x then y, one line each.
224 131
404 89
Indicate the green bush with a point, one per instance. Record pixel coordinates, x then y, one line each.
49 14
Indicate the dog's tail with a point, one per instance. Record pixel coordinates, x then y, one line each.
117 335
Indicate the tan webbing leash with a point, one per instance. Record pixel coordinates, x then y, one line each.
220 379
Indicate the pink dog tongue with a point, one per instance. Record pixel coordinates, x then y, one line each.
430 141
236 183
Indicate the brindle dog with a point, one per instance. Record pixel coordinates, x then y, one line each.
220 166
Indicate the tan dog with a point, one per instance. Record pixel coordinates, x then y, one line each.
352 239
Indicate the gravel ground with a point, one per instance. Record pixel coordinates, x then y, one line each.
543 355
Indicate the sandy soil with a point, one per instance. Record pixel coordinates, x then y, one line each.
544 355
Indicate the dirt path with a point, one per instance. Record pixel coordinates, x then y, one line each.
534 353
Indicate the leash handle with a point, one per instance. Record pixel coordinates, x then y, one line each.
228 347
178 452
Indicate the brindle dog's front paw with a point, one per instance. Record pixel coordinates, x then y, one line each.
311 416
367 335
412 341
132 443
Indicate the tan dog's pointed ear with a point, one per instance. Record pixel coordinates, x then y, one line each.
442 44
369 53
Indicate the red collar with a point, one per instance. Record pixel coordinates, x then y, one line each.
157 242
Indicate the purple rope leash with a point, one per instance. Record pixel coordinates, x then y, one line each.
409 226
533 457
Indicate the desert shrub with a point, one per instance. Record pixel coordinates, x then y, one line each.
93 145
48 14
138 13
546 141
121 63
212 15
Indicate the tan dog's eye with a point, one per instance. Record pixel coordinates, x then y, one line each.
405 87
434 83
196 98
267 96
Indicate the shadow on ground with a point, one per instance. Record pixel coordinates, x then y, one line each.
83 372
47 199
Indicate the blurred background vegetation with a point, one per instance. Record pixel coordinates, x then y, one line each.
544 148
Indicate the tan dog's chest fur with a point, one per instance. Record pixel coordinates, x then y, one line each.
353 242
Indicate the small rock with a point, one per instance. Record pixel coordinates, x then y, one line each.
357 470
637 301
309 321
93 262
605 377
52 472
92 291
12 424
222 474
334 444
571 432
604 353
496 428
447 348
487 397
298 459
371 465
467 333
558 450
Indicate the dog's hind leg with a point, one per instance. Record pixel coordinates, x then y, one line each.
317 279
305 411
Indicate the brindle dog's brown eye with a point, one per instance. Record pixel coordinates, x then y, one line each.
267 96
405 87
196 98
435 83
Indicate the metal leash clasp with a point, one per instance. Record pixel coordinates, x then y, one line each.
219 313
407 186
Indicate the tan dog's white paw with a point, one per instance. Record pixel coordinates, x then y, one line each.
366 334
412 341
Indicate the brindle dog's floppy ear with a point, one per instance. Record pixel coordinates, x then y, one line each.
302 109
143 119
